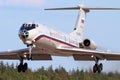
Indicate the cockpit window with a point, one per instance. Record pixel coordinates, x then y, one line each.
28 26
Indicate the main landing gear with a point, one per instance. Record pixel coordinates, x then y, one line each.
22 67
98 67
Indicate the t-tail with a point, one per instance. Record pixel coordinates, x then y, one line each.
79 27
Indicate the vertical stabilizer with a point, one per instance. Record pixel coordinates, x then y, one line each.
79 27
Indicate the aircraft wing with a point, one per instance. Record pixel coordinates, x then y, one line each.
16 55
85 54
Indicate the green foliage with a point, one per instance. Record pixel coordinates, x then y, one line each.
9 72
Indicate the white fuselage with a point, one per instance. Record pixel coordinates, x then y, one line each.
49 39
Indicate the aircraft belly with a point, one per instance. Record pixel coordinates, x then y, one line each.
45 43
49 46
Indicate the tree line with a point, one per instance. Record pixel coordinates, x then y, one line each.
9 72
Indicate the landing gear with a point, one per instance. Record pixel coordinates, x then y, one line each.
29 57
22 67
97 67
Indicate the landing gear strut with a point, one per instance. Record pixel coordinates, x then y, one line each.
97 67
29 57
22 67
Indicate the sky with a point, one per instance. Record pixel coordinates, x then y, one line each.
103 27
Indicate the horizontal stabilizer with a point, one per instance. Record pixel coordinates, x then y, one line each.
69 8
84 8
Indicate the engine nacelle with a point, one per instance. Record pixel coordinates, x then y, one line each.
88 44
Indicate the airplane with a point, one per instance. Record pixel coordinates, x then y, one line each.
42 43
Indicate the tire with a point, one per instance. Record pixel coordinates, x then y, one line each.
100 68
20 66
25 67
95 68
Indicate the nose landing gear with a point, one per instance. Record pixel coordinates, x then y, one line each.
29 57
97 67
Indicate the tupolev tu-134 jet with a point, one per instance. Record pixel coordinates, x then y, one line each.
43 43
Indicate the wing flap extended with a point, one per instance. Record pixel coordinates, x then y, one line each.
12 57
83 57
85 54
41 57
37 54
113 56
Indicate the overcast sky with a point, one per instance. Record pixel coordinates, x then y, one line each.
103 27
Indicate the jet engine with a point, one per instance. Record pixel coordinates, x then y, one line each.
88 44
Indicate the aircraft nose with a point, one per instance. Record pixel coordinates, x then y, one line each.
24 34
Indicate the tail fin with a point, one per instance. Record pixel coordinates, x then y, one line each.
79 28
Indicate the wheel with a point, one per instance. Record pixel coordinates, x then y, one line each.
20 67
95 68
25 67
100 67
